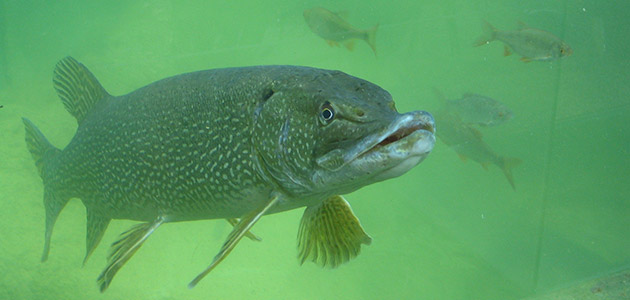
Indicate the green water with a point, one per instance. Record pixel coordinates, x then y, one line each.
445 230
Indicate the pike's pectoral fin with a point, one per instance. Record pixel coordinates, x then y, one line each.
330 234
332 43
96 226
526 59
123 249
240 230
250 235
463 157
506 51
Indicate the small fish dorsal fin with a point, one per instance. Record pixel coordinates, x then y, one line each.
343 14
77 87
521 25
476 133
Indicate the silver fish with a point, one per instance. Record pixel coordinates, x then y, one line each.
468 143
531 43
235 144
475 109
334 29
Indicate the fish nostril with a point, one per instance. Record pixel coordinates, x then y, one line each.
360 113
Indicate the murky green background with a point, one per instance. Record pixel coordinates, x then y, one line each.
445 230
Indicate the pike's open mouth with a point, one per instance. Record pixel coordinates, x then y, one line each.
404 132
410 135
409 129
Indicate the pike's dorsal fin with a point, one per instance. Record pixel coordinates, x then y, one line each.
123 249
77 87
240 230
330 234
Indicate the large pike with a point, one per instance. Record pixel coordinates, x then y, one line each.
232 144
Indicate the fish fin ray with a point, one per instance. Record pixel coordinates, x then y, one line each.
78 89
249 234
123 249
343 14
243 226
522 25
40 148
489 34
476 132
370 38
332 43
53 206
330 234
526 59
96 226
507 164
349 45
506 51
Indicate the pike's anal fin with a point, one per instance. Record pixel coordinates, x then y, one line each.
123 249
240 230
330 234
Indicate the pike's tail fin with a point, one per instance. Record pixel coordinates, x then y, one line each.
43 154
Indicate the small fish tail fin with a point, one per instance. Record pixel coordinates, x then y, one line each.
370 38
44 153
507 164
78 89
489 34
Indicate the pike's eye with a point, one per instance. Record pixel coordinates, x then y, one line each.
327 113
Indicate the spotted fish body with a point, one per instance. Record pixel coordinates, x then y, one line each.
234 143
163 150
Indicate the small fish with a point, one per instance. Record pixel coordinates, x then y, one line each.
235 144
532 44
468 143
334 29
474 109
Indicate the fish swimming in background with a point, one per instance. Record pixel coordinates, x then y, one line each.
235 144
475 109
468 142
531 43
334 29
